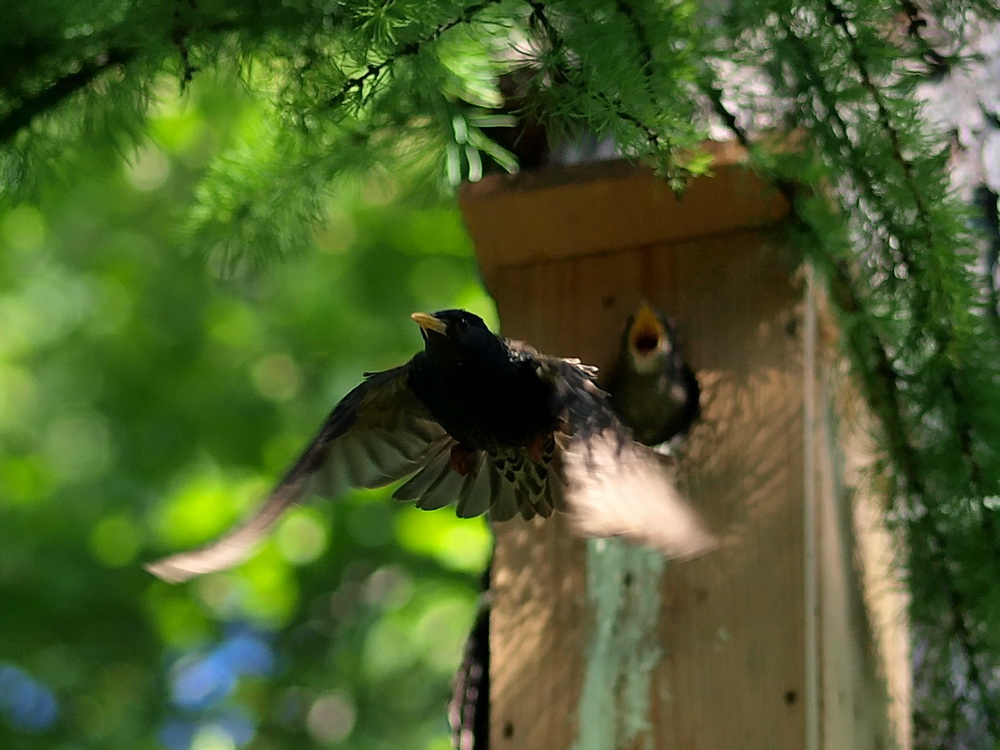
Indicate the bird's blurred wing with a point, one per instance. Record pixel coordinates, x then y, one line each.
378 433
612 485
616 487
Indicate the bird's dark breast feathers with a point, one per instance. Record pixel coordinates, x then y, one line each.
487 408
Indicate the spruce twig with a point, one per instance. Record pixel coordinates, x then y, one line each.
407 50
881 379
659 143
62 88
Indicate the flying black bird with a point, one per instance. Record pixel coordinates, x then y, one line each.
488 424
652 389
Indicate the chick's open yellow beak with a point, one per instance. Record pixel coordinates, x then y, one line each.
646 331
430 323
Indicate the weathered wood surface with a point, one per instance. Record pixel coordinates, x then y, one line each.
770 641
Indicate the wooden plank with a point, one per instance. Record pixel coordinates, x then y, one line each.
792 635
593 208
734 636
732 622
863 649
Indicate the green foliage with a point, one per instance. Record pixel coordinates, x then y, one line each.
305 114
894 246
146 406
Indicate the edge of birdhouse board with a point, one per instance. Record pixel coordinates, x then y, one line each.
587 209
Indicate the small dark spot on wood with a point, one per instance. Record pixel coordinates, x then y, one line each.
791 697
508 729
628 579
792 327
700 595
608 301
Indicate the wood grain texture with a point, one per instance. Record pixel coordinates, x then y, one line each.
733 624
864 646
588 208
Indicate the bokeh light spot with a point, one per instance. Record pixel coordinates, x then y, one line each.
213 737
78 446
302 537
204 504
200 681
19 401
233 323
28 704
112 307
25 479
23 228
148 169
179 619
390 587
440 629
456 543
389 649
222 593
115 541
277 377
271 592
247 653
177 130
331 717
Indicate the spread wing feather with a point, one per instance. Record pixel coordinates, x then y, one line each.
378 433
381 432
609 484
504 484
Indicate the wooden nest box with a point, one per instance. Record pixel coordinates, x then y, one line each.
792 634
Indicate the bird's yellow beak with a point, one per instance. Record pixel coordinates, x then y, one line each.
430 323
647 331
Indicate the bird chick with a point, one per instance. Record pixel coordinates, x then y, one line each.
490 425
652 389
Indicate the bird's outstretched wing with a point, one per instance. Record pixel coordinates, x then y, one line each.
616 488
503 483
612 485
378 433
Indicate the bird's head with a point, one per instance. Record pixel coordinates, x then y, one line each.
456 335
649 338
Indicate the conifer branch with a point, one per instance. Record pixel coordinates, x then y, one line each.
884 117
938 63
657 142
407 50
881 384
88 70
988 202
641 37
943 329
61 89
864 180
179 35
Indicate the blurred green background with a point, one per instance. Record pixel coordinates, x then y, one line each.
147 401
